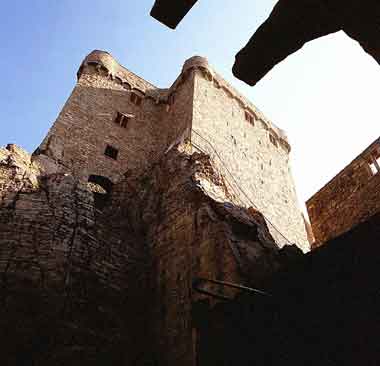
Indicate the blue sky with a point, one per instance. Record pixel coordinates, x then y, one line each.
325 96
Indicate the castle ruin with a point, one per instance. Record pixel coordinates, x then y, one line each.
134 195
116 123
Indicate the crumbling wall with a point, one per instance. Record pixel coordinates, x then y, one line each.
86 286
200 106
114 281
72 288
193 231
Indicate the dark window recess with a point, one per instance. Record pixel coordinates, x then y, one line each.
249 117
111 152
171 99
118 118
234 140
273 140
136 99
101 187
122 120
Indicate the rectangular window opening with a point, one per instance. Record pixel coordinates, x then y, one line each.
122 120
136 99
171 99
111 152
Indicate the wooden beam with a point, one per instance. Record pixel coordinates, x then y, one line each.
171 12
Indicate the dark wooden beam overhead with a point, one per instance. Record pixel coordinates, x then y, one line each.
294 23
171 12
291 24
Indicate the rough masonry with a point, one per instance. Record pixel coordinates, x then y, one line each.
135 193
113 111
350 198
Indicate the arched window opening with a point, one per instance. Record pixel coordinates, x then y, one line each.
101 187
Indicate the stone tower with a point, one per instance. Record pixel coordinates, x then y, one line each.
115 123
135 195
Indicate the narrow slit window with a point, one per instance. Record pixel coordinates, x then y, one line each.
119 118
273 140
249 117
124 122
171 99
111 152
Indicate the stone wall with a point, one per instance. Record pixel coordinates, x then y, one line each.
72 288
194 232
178 111
253 156
348 199
200 106
86 125
84 286
324 310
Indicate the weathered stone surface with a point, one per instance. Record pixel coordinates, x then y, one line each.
351 197
253 157
249 150
194 231
85 285
17 173
68 280
99 247
324 310
293 23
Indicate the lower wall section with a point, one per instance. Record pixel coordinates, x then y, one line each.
83 286
323 311
72 289
192 235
